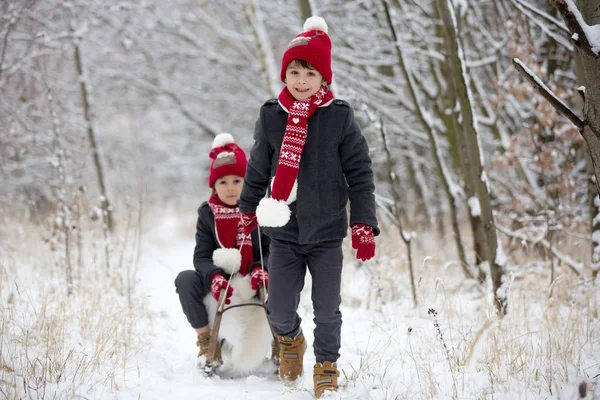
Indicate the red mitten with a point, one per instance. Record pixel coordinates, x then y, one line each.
363 241
218 283
249 222
259 276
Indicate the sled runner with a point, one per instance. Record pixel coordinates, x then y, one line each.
212 361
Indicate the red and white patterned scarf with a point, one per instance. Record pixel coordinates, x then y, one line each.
230 233
299 112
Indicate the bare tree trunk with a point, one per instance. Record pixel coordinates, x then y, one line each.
590 60
477 228
550 47
450 117
421 188
591 14
420 113
107 218
392 179
592 192
263 48
306 9
87 115
62 218
471 138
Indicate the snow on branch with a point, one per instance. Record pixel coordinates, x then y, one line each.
573 265
559 39
542 14
586 37
547 93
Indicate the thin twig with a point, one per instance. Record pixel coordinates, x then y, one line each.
557 37
573 265
561 107
5 45
478 335
542 14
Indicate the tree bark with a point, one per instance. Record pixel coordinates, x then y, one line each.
590 66
87 115
395 187
474 155
263 48
450 116
592 192
423 119
306 9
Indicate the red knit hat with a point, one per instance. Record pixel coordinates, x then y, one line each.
313 46
227 159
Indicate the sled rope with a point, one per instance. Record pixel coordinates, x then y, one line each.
262 264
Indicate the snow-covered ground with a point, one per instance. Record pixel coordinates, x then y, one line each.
544 348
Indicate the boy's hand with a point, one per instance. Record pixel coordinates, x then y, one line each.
218 283
363 241
249 222
259 276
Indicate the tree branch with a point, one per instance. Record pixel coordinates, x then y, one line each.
574 24
5 46
573 265
542 14
561 107
559 39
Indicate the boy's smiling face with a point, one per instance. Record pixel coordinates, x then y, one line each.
302 82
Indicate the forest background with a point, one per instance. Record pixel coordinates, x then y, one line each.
107 114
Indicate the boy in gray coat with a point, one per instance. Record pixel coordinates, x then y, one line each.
310 154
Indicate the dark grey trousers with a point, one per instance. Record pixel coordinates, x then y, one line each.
190 289
287 268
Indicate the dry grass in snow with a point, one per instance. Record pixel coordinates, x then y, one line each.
451 346
54 346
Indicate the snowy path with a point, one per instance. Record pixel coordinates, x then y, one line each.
391 353
168 369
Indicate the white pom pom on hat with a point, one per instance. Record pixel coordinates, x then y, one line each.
227 158
315 24
312 47
222 139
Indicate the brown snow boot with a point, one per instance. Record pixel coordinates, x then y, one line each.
325 377
203 342
291 355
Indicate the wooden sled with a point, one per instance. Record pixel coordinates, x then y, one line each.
211 363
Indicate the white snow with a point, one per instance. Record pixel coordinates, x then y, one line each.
462 6
389 349
592 32
501 259
474 206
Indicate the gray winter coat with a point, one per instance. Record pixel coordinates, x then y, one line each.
335 168
206 244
